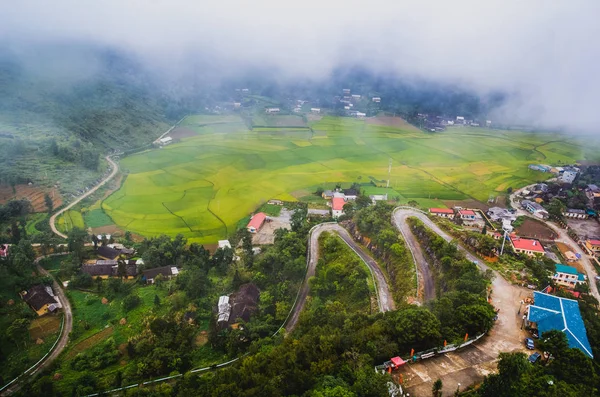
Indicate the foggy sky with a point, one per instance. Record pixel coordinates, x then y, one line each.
544 54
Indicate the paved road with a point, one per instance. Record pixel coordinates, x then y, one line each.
63 338
115 169
469 365
384 296
563 237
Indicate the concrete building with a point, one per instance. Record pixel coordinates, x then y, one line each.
526 246
567 276
442 212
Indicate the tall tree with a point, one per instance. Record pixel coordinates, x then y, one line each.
76 243
48 201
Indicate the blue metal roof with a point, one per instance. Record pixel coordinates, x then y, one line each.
565 269
551 312
580 277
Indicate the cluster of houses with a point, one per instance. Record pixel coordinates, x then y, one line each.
566 174
348 100
340 197
470 218
440 123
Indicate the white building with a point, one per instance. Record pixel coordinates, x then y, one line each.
460 119
315 110
376 99
568 176
360 115
355 96
224 309
224 244
165 141
272 110
378 197
535 209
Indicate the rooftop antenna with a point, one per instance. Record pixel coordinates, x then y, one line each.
389 172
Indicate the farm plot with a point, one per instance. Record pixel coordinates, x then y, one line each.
204 185
70 219
281 121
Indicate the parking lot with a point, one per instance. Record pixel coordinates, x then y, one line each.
585 228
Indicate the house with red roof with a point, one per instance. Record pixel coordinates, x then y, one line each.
442 212
526 246
256 222
593 246
467 214
337 206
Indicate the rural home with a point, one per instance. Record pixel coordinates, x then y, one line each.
575 213
315 110
593 246
327 194
498 214
109 268
567 276
350 194
535 208
442 212
568 176
376 99
223 311
244 303
592 191
312 212
108 253
360 114
355 96
275 202
165 141
122 249
526 246
167 272
550 312
378 197
488 123
256 222
272 110
467 214
224 244
460 120
337 206
346 91
39 299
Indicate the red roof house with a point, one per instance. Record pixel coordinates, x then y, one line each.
256 222
466 214
526 246
443 212
337 206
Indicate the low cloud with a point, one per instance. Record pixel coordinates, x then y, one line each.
544 55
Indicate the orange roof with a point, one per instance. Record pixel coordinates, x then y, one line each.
441 211
466 212
338 204
257 220
527 244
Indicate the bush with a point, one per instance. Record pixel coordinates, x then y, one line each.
130 302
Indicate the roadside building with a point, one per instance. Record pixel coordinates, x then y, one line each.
592 246
167 272
526 246
460 120
376 99
442 212
337 206
550 312
568 176
378 197
498 214
567 276
256 222
466 214
38 298
575 213
350 194
360 115
165 141
315 110
272 110
535 208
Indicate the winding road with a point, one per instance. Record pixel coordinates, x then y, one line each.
384 297
63 339
114 170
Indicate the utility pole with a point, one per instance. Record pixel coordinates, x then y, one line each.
503 241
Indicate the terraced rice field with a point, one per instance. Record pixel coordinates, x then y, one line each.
205 184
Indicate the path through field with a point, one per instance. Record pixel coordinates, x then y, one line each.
471 364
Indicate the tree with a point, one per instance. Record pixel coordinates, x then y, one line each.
436 389
18 331
319 191
554 342
298 218
76 243
130 302
556 208
362 201
484 230
48 201
156 300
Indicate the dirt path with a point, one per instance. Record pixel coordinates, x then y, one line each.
563 237
115 169
471 364
63 338
384 296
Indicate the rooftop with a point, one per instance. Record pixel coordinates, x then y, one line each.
565 269
257 220
37 297
441 211
552 312
527 244
338 203
594 242
466 212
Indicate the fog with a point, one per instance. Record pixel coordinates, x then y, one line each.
543 55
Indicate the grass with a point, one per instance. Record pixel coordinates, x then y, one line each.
70 219
271 209
204 185
97 218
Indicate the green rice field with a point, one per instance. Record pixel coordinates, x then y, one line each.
205 184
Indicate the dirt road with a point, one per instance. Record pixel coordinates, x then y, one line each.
115 169
469 365
63 338
563 237
384 297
